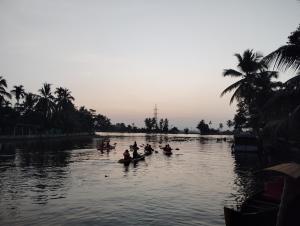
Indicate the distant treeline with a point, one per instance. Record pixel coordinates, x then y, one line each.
47 112
53 112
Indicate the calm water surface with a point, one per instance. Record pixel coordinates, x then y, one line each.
69 182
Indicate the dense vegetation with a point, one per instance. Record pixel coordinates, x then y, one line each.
264 104
53 112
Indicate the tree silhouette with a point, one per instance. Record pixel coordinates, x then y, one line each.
64 99
3 93
287 56
18 92
45 105
248 64
203 127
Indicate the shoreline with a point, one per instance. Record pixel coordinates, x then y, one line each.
47 136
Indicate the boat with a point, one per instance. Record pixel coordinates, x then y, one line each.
245 142
168 152
148 151
259 210
274 205
132 148
132 160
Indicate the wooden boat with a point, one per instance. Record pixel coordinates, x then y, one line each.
259 210
168 152
148 152
245 142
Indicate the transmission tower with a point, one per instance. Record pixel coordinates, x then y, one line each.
155 112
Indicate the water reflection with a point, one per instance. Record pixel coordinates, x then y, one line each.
59 182
36 169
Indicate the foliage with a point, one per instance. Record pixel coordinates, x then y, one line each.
203 128
287 56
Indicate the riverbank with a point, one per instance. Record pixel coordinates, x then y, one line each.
46 136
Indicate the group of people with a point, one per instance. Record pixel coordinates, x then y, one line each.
167 148
135 153
148 149
105 144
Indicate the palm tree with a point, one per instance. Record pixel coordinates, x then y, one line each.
229 123
64 98
248 64
3 93
220 126
46 103
18 92
285 100
29 102
253 90
287 56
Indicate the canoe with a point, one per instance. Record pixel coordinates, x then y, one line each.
132 160
148 152
168 153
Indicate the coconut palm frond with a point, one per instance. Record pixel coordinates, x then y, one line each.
294 80
285 57
232 73
236 95
3 82
232 87
239 57
4 93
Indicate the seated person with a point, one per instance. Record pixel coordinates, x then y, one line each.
167 148
126 155
135 154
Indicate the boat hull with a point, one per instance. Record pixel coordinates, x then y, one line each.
259 218
132 160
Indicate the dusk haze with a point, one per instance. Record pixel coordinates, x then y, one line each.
123 57
150 112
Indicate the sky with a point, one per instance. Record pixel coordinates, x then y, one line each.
121 57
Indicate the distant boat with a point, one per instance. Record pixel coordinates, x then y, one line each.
110 147
245 142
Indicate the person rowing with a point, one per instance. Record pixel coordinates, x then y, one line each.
167 150
126 155
135 148
148 149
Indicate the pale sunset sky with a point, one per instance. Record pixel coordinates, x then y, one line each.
123 57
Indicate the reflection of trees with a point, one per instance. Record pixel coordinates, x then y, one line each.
7 155
38 169
156 139
246 180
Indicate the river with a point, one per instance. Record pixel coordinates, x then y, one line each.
70 182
